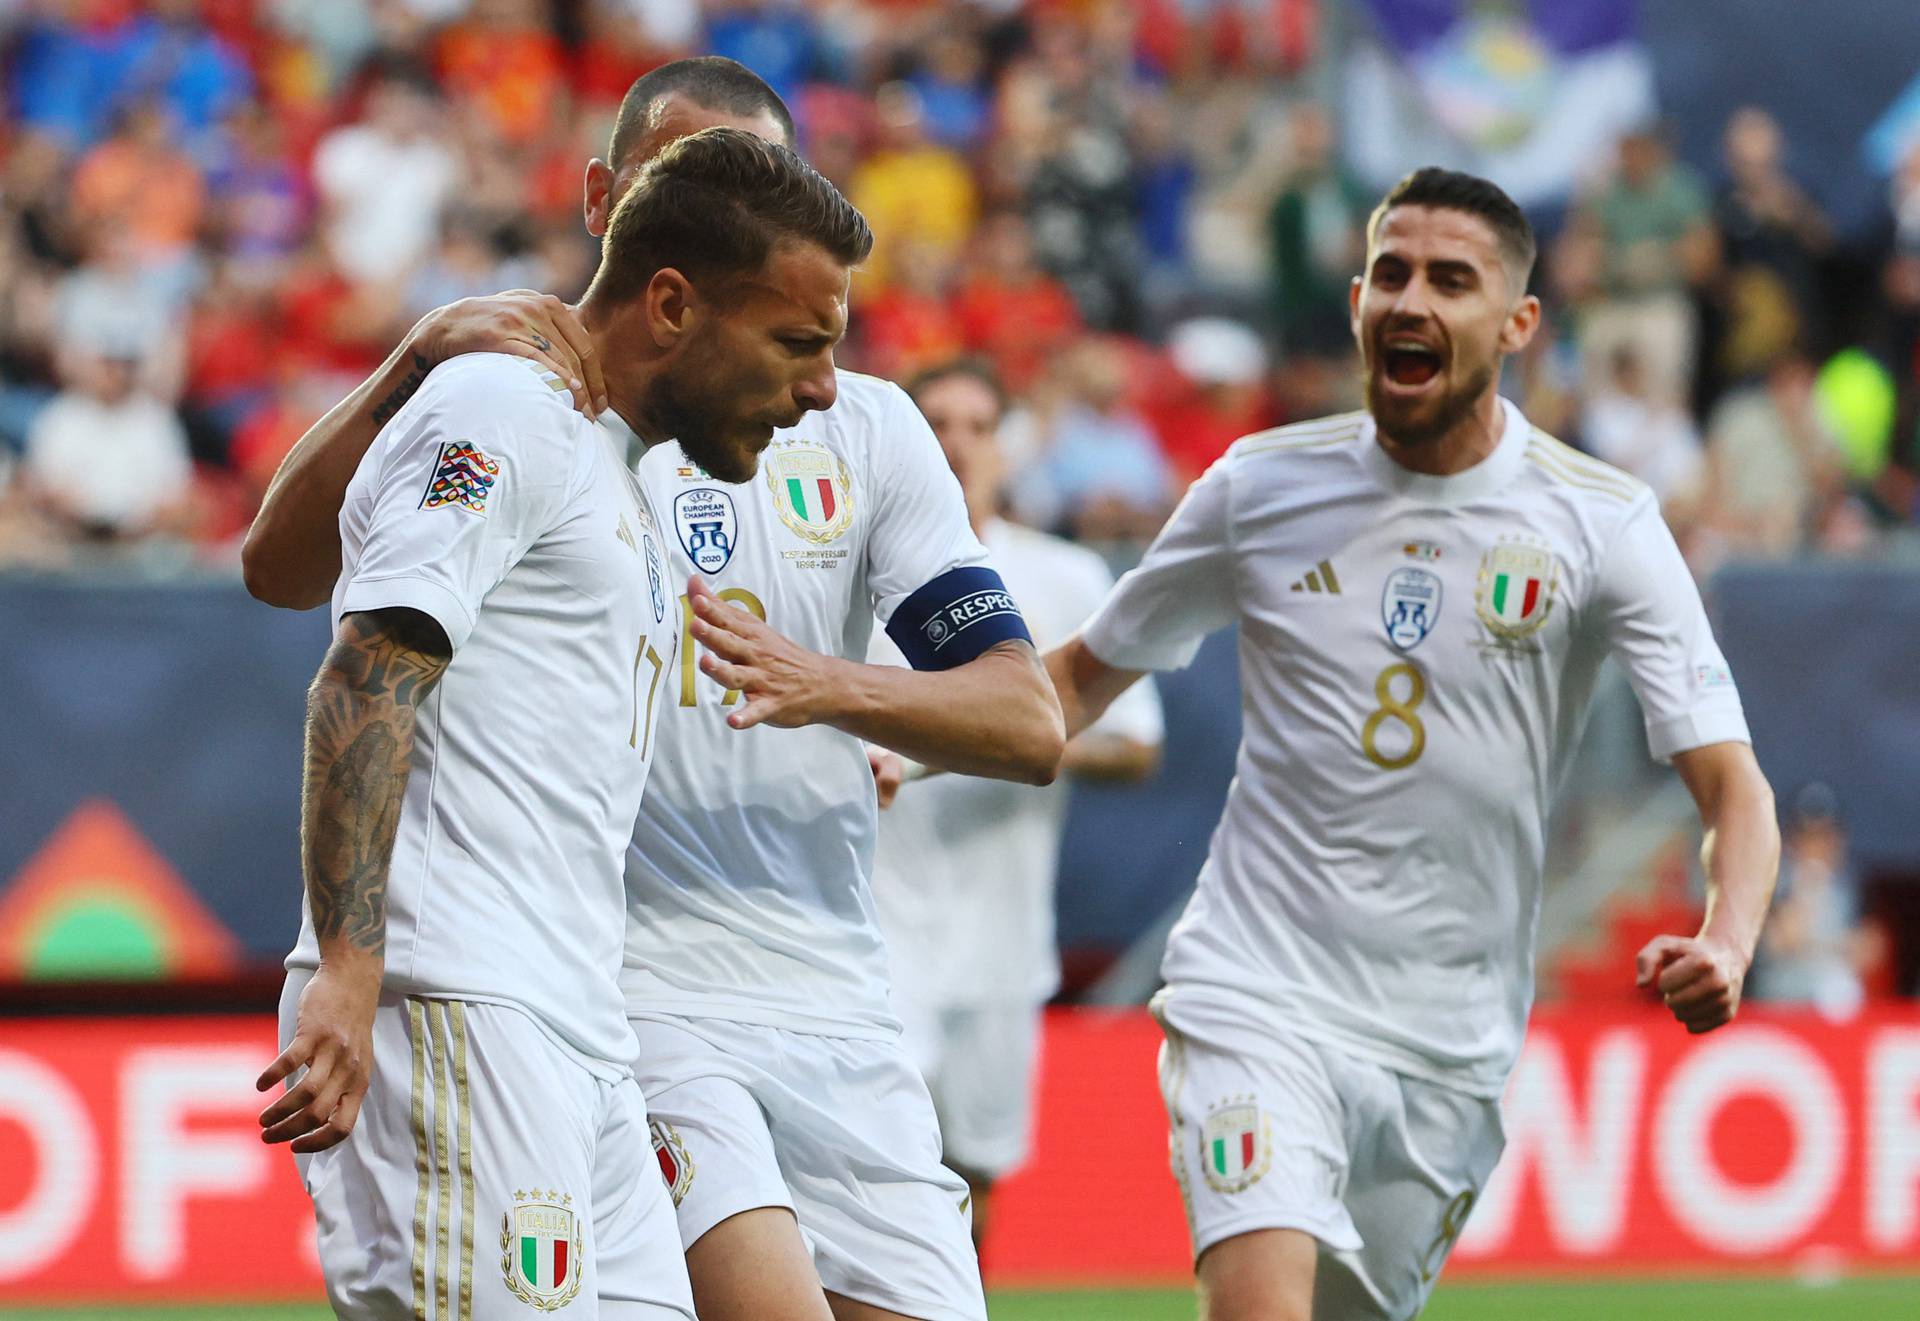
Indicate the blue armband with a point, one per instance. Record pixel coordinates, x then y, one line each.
956 617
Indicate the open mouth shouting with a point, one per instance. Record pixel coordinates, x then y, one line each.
1409 363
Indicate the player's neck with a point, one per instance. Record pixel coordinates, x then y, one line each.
1466 443
627 375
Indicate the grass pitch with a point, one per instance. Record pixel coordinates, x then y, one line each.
1747 1300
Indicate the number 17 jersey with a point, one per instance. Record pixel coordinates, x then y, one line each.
1417 656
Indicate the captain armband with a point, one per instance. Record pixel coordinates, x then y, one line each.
955 618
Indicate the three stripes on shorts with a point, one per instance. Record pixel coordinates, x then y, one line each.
443 1161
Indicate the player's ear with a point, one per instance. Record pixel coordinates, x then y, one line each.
1354 287
597 196
1523 320
671 307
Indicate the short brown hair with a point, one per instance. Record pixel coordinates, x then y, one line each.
972 369
1451 190
714 205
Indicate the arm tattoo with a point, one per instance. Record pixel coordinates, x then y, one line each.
386 408
359 747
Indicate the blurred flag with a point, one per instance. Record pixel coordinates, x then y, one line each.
1529 93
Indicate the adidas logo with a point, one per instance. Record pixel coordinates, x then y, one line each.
1320 578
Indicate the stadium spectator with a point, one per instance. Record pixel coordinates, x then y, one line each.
911 323
1815 950
106 461
1774 471
951 86
1656 245
1079 193
1217 393
1100 474
502 60
115 302
139 181
1653 437
1317 228
384 180
1773 238
1010 310
911 189
259 201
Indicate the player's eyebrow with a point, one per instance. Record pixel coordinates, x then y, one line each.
1452 266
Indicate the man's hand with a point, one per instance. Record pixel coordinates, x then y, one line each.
889 771
783 683
535 326
1700 979
333 1042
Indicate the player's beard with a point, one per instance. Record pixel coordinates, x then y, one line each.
1443 416
701 429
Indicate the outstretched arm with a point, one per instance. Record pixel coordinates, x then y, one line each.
292 551
993 716
1701 977
360 716
1085 684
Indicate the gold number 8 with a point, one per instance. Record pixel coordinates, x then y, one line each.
1391 708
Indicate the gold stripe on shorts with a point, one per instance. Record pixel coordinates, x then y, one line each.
417 1032
458 1011
443 1167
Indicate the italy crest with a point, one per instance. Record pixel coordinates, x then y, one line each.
707 525
811 490
1235 1148
540 1249
1516 588
676 1167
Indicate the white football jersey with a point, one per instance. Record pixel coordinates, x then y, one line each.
1417 654
489 504
964 870
747 879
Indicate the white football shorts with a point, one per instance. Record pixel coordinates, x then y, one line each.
1271 1130
492 1174
979 1061
839 1131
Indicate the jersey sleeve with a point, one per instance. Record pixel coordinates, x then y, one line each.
475 469
942 603
1181 590
1657 627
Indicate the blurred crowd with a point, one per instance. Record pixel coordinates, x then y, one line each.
217 215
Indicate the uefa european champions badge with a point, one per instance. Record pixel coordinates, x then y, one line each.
1235 1147
707 526
656 579
1517 583
811 490
1410 606
540 1250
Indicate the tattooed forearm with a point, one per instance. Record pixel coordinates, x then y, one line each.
402 392
359 749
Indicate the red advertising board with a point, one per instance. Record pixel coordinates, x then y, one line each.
1781 1143
130 1166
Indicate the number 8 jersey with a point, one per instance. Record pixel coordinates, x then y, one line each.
1417 656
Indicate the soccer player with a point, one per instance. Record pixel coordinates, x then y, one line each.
800 1143
1425 591
478 739
964 870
